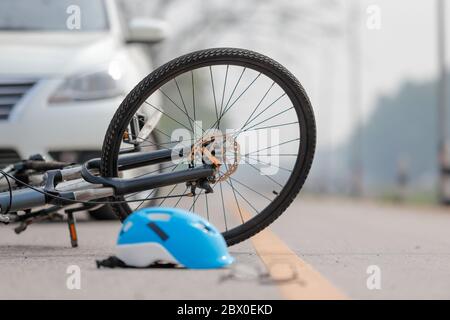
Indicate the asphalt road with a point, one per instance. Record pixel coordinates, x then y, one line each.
339 238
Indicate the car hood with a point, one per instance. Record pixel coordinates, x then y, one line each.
54 54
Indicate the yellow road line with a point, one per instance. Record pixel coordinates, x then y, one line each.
295 278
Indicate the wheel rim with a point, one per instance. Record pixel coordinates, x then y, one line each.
181 100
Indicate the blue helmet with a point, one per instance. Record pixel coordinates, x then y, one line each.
171 235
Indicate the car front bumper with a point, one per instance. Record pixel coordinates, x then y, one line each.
35 126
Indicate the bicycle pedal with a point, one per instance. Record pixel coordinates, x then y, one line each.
72 229
21 227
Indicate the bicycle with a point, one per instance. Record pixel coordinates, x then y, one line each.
212 173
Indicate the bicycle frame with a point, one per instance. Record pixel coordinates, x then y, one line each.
90 186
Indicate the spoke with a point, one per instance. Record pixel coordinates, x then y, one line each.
235 87
214 93
269 164
163 133
193 94
198 196
181 197
207 207
227 109
152 144
156 189
268 177
160 204
174 141
223 207
223 95
276 145
276 115
187 115
194 200
237 191
235 198
278 155
273 126
259 104
146 198
167 116
182 101
265 109
169 142
243 184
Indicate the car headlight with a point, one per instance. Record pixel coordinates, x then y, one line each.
102 84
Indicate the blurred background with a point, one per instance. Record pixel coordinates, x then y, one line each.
375 72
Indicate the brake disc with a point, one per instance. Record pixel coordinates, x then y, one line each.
220 150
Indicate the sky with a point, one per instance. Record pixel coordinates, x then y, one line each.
404 49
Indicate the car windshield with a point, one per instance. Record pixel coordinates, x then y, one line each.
53 15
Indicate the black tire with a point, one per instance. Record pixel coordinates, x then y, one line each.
223 56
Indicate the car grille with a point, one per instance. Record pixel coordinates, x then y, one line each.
7 157
11 91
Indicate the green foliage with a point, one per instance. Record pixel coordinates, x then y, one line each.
403 128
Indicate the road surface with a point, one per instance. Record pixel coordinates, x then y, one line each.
319 248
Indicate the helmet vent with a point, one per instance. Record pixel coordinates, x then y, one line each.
204 227
127 226
159 216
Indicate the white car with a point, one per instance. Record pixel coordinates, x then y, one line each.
65 66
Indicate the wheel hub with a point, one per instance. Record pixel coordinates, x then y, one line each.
219 150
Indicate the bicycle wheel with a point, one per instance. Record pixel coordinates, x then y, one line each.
251 102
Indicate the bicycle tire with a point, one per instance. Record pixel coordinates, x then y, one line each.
215 56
